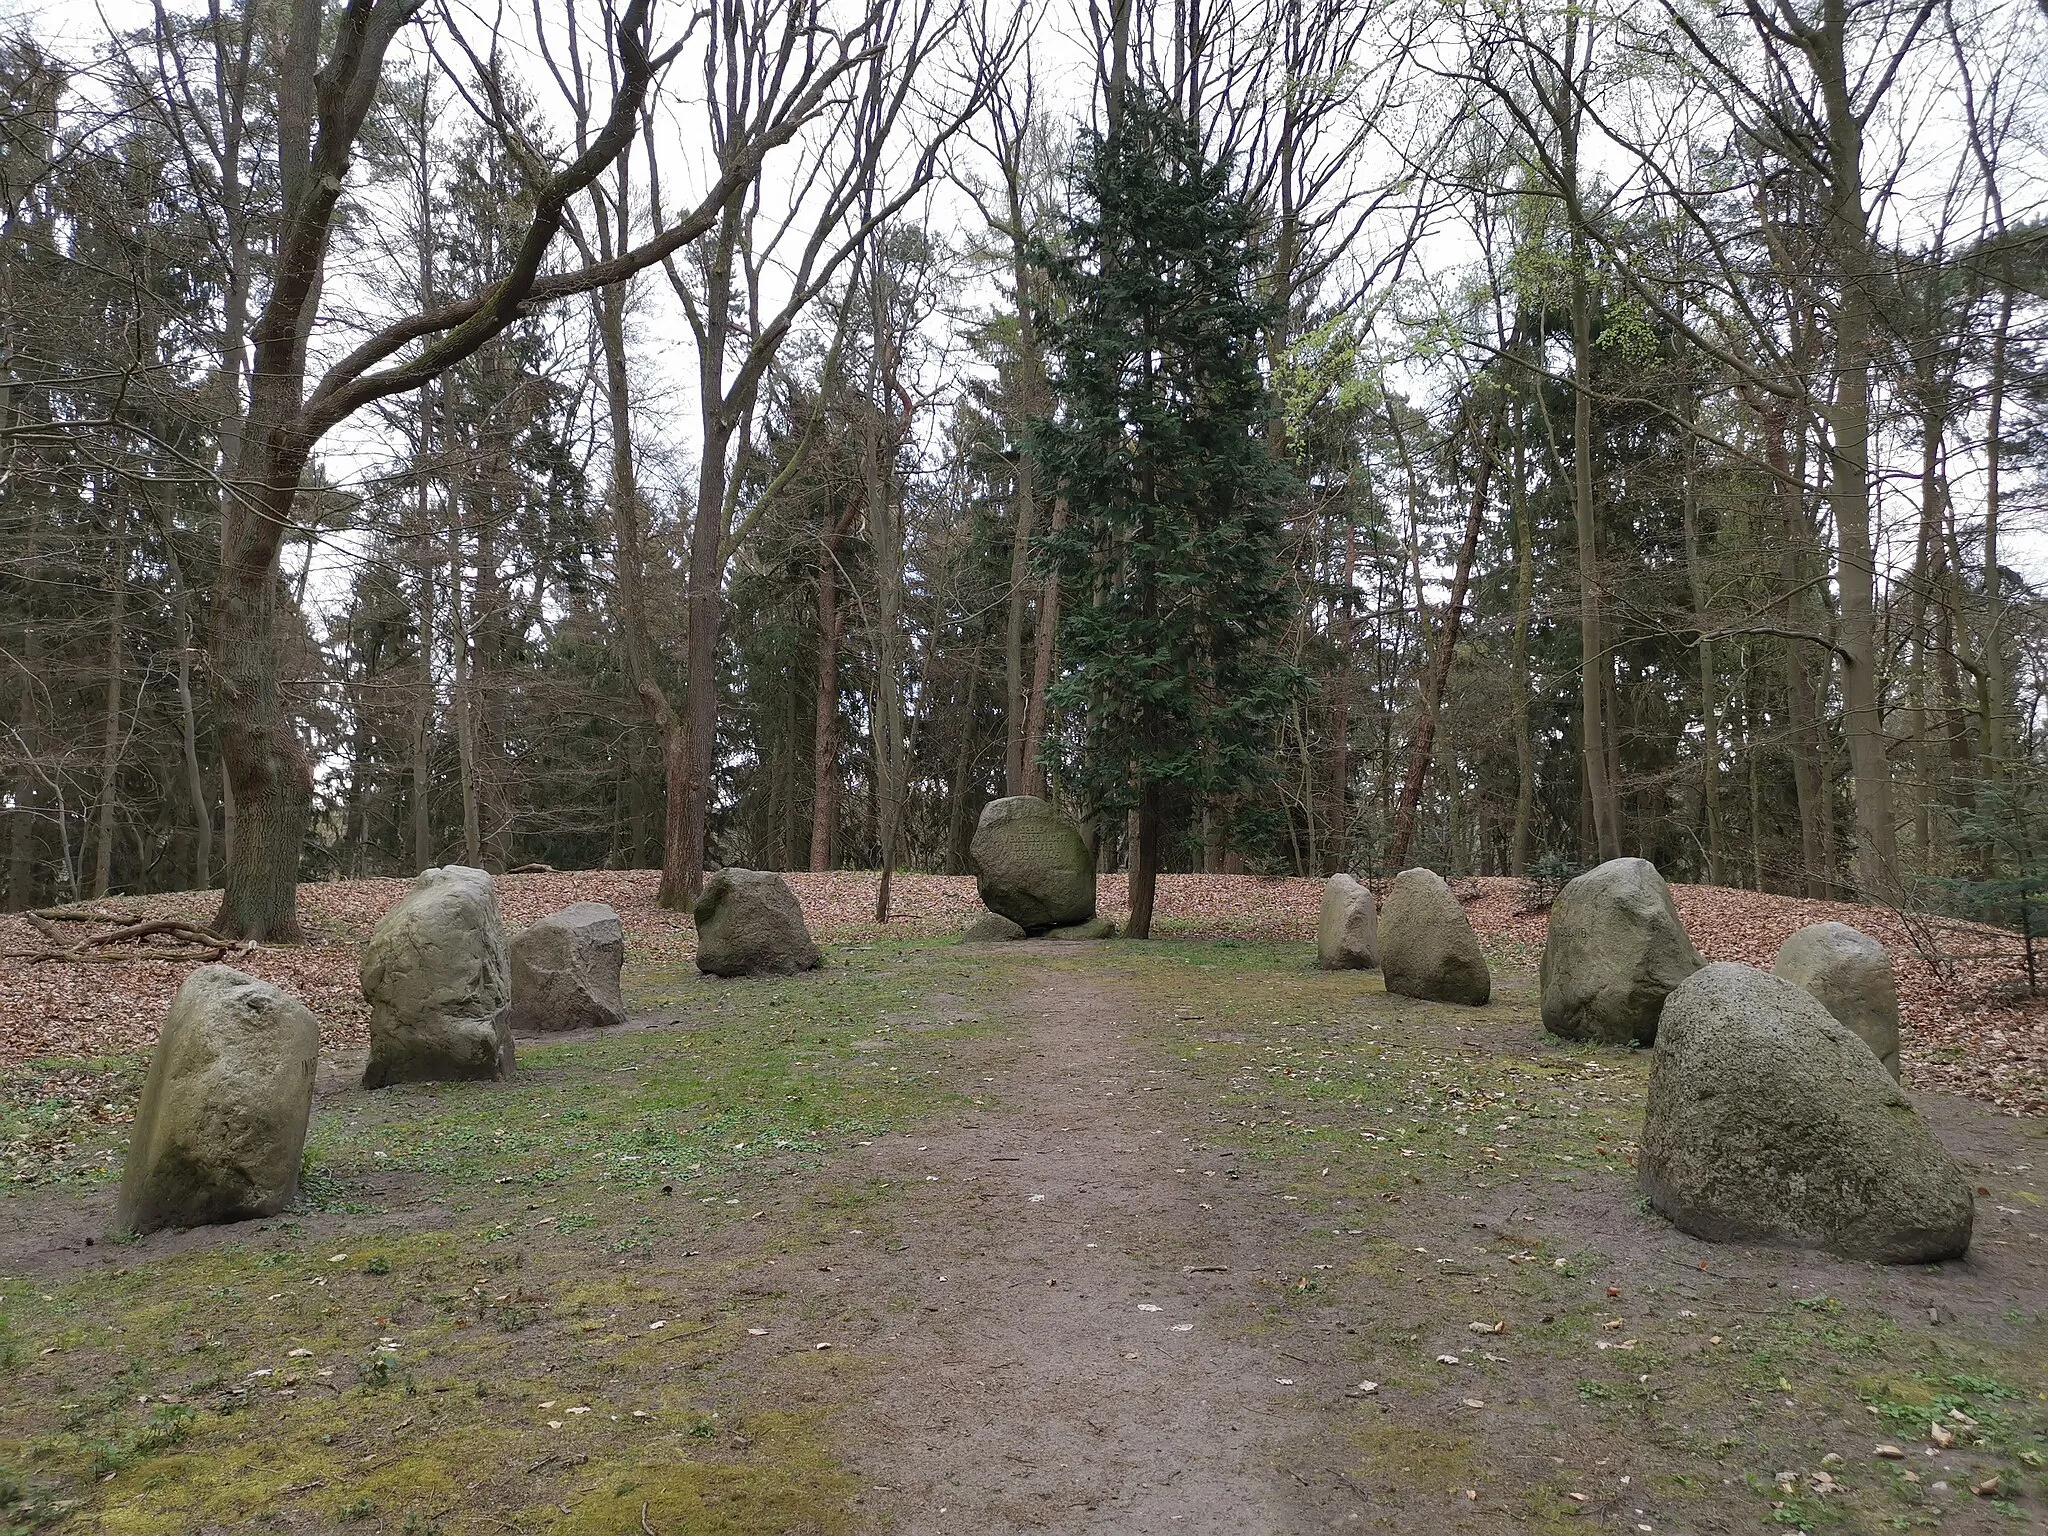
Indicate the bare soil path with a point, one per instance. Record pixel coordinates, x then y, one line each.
1072 1357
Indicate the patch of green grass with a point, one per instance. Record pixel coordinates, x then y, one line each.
336 1364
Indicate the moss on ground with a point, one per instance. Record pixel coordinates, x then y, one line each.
486 1308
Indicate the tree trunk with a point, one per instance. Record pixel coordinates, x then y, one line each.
1042 665
1800 704
1710 716
1991 643
1440 669
825 726
1144 861
1525 582
110 739
1848 235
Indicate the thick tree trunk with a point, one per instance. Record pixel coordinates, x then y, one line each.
264 763
1144 861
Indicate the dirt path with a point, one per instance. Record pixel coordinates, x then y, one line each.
1066 1352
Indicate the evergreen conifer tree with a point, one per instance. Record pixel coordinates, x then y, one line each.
1171 545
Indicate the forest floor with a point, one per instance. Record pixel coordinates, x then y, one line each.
1186 1236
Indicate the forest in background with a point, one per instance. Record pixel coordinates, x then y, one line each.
1300 434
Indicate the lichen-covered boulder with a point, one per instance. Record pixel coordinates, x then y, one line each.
749 923
565 970
1348 934
992 928
1850 975
1427 946
1614 950
1093 928
438 982
1770 1122
1032 865
221 1126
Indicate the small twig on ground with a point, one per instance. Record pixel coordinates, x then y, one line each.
646 1528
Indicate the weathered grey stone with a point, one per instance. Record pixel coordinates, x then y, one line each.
1032 865
991 928
1770 1122
565 970
1427 947
749 923
1348 936
438 983
1093 928
222 1122
1614 949
1850 975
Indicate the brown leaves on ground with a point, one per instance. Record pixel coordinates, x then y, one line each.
1968 1024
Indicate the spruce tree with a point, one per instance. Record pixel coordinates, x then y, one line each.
1171 546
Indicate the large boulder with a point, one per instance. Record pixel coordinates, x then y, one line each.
222 1123
1850 975
1427 947
438 983
1615 949
1032 865
565 970
1348 935
749 924
1768 1121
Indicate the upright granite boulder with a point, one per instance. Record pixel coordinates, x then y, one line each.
749 923
1427 946
1850 975
1614 950
1348 934
222 1122
1768 1121
1032 865
439 985
565 970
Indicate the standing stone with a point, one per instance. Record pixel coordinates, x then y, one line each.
565 970
1770 1122
1614 949
1427 946
222 1122
1850 975
1348 936
438 984
749 923
1032 865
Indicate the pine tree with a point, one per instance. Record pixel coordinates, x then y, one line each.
1171 546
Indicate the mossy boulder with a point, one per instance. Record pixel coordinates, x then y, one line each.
1614 950
1032 865
565 970
1849 974
1348 932
221 1125
992 928
1093 928
1769 1121
749 923
1427 946
439 984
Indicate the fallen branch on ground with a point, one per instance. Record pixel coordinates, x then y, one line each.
202 943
